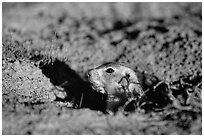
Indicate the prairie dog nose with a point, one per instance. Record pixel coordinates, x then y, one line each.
93 75
90 73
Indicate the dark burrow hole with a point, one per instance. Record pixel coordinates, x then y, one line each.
78 91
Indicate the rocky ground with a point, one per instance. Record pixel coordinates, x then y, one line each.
48 44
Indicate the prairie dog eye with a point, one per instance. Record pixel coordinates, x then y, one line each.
109 70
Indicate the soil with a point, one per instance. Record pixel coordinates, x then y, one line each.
49 47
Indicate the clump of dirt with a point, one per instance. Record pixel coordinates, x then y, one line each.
24 83
48 52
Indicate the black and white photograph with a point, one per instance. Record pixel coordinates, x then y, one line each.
101 68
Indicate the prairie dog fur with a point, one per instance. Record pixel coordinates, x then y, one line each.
114 77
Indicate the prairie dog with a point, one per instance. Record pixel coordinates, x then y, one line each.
111 78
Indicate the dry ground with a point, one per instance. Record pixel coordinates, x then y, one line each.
45 44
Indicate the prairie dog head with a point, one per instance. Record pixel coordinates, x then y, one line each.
111 76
